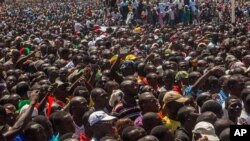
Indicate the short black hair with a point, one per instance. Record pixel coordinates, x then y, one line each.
207 117
161 131
211 105
125 133
56 119
222 124
66 137
108 138
244 93
225 135
22 88
182 113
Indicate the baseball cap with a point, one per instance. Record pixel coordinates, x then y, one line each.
99 116
174 96
181 75
206 129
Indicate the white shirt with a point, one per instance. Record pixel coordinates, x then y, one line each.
179 3
244 118
77 27
171 14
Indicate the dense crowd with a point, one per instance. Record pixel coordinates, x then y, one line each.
173 70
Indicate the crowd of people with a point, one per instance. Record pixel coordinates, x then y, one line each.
123 70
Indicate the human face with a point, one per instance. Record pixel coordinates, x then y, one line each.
234 108
11 81
102 99
151 104
79 107
63 74
137 134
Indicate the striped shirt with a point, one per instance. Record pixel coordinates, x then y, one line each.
125 111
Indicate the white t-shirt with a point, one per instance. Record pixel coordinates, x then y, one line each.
77 27
171 14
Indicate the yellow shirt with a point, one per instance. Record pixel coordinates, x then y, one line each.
171 124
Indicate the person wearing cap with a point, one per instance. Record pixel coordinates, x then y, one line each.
181 80
173 101
204 130
101 124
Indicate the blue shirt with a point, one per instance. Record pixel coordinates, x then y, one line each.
222 96
190 92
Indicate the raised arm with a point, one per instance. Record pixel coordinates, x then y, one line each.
24 118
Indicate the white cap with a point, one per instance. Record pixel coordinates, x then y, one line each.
206 129
99 116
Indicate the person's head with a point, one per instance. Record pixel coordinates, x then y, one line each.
193 77
110 86
173 101
15 55
102 124
59 119
225 135
133 133
129 88
148 138
11 81
108 138
22 89
223 82
128 68
187 116
222 124
64 53
244 93
99 97
150 120
208 117
162 133
148 103
204 129
34 131
181 77
78 106
152 79
63 74
83 92
234 107
183 66
149 68
202 98
213 84
235 85
60 90
76 59
212 106
122 124
42 120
